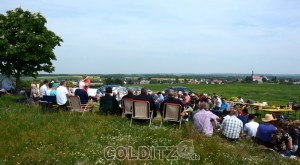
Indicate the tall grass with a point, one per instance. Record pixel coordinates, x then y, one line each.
29 136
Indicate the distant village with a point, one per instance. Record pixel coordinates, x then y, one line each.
140 79
196 79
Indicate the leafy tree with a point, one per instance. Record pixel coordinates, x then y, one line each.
109 80
118 81
26 45
248 79
176 80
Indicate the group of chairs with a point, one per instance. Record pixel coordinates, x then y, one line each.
140 110
48 103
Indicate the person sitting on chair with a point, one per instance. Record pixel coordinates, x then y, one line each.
146 97
171 99
61 95
83 95
34 93
109 104
51 90
44 88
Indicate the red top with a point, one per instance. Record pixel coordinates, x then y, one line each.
87 84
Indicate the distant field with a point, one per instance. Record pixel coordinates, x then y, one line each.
277 94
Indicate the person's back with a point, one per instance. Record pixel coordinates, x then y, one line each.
171 99
146 97
109 104
130 95
203 120
44 88
174 101
61 93
52 92
243 118
84 98
232 126
106 103
264 132
251 127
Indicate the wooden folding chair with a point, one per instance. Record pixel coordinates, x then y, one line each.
141 110
171 112
127 104
76 106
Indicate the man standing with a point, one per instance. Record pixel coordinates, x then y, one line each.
87 82
44 88
232 126
61 94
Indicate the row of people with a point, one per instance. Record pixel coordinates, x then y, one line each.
278 135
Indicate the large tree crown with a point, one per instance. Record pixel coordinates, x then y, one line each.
26 44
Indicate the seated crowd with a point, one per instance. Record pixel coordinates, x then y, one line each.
210 114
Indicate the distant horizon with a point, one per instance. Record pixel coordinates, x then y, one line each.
166 74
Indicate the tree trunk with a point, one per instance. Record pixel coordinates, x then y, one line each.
18 84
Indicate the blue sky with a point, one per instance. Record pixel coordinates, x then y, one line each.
172 36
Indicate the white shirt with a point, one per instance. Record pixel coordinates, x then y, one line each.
241 100
219 102
43 90
48 92
251 129
61 95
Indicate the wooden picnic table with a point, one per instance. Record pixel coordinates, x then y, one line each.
239 103
280 111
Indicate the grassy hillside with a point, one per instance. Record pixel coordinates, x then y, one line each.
29 136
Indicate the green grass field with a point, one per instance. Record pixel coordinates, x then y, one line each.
274 94
29 136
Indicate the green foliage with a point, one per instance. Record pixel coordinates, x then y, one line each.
248 79
26 44
110 80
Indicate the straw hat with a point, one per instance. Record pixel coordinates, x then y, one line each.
268 118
